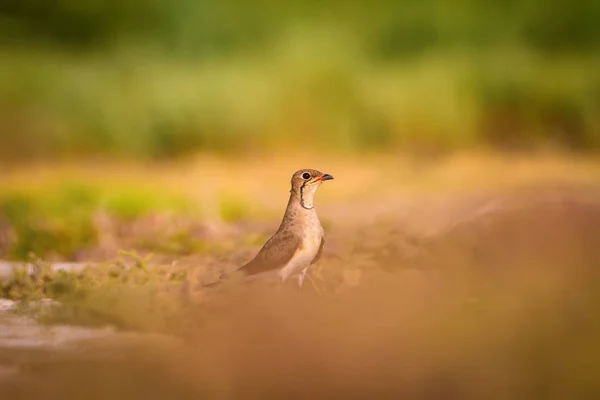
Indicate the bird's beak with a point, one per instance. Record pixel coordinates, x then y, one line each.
326 177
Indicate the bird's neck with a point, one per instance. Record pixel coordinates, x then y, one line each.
300 208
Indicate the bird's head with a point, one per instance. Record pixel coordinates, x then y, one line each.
305 183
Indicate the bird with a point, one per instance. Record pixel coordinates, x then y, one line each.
298 242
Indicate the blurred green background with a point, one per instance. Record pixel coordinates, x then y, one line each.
467 283
162 78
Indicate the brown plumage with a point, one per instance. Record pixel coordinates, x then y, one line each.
299 241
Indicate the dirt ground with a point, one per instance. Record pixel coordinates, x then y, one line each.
486 292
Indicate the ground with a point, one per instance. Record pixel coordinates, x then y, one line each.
467 276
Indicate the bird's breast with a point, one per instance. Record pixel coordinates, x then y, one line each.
311 243
312 234
311 240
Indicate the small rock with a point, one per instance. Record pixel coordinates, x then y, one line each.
7 305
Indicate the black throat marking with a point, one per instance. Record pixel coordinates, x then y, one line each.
302 198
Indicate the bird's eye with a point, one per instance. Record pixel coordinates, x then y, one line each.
306 176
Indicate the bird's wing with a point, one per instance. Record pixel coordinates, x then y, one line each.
275 254
320 252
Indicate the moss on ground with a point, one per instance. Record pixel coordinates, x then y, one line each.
129 293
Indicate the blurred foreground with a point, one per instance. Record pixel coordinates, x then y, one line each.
155 141
462 277
505 308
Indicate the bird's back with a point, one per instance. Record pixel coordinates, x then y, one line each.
276 253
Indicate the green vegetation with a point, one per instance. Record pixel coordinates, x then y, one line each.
128 292
166 78
501 306
233 208
62 220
